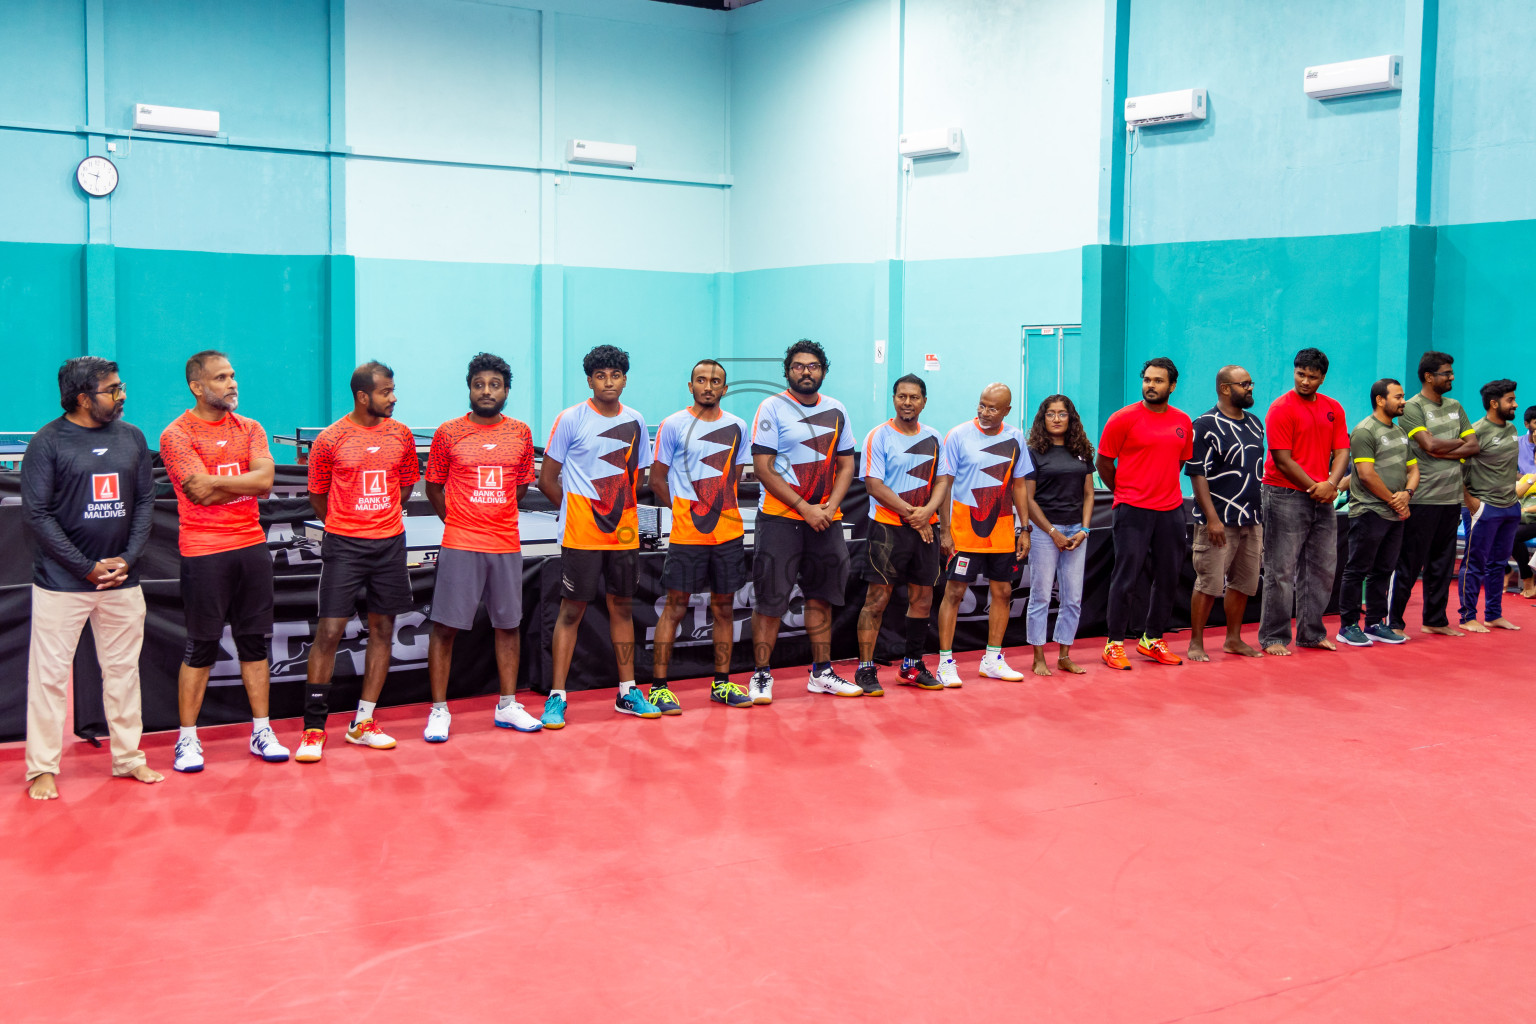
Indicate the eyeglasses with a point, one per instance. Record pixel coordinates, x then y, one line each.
1442 373
805 367
115 390
1241 384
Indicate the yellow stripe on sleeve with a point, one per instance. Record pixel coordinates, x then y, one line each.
1415 430
1464 433
1365 460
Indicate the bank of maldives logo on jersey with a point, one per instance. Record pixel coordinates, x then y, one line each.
488 478
227 469
104 487
373 483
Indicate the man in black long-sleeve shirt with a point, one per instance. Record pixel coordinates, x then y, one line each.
89 496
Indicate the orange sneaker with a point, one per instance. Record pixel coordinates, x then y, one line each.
1114 656
1154 648
311 747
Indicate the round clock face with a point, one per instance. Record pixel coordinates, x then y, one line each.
97 175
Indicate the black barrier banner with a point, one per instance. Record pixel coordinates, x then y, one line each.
296 571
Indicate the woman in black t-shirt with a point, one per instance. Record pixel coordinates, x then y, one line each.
1061 506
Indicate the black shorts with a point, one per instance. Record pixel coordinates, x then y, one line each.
896 554
231 588
786 551
373 566
705 568
585 574
993 565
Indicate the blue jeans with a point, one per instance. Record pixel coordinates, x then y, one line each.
1489 541
1049 564
1300 556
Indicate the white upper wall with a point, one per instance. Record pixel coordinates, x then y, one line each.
1024 81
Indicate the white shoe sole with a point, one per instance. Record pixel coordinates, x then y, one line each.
829 691
1350 643
537 725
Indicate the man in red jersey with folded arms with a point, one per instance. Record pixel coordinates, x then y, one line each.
219 464
1142 450
478 470
361 471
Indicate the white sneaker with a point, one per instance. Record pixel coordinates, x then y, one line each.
311 746
368 734
949 675
760 688
189 756
830 682
265 746
437 726
995 666
514 716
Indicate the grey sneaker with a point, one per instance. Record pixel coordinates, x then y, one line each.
1354 636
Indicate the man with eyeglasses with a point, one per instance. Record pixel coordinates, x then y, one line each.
1226 474
1443 432
88 495
802 452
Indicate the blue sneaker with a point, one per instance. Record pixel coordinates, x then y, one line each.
635 703
665 700
1354 636
554 712
1381 633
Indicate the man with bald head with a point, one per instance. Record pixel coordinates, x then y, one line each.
1226 474
983 463
1139 457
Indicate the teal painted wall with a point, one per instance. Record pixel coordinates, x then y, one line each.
1255 302
1483 312
40 325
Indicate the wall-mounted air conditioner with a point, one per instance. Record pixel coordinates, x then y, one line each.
934 142
1352 77
609 154
1165 107
151 117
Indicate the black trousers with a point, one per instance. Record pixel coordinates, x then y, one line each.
1523 533
1374 547
1429 547
1144 537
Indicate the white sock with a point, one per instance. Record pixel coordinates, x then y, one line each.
994 652
258 724
946 655
625 687
557 693
439 704
364 711
188 732
506 701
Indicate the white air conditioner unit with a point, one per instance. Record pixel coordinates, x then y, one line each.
179 120
1352 77
609 154
1165 107
934 142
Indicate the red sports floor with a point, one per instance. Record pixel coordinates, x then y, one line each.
1329 837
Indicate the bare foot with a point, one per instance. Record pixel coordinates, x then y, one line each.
1236 646
1473 626
1278 650
1322 645
1196 652
43 788
144 773
1503 623
1528 592
1069 666
1400 632
1039 667
1444 630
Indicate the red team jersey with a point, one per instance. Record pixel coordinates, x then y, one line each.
481 468
224 448
363 470
1310 431
1150 448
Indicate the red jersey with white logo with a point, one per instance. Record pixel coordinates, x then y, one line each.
480 468
363 470
1149 449
223 448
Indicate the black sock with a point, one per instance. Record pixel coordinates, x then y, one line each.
721 677
317 705
821 666
917 638
659 681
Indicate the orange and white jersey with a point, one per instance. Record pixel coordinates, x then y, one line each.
905 463
805 441
703 460
600 461
981 500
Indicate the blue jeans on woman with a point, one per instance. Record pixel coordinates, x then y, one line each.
1049 564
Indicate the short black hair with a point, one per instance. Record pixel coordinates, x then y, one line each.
197 362
808 346
605 357
1162 362
484 361
81 376
1380 388
1429 362
910 378
362 377
706 361
1530 413
1495 390
1311 359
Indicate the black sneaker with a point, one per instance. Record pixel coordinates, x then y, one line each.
868 680
919 676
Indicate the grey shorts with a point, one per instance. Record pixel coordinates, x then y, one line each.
465 577
1235 564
